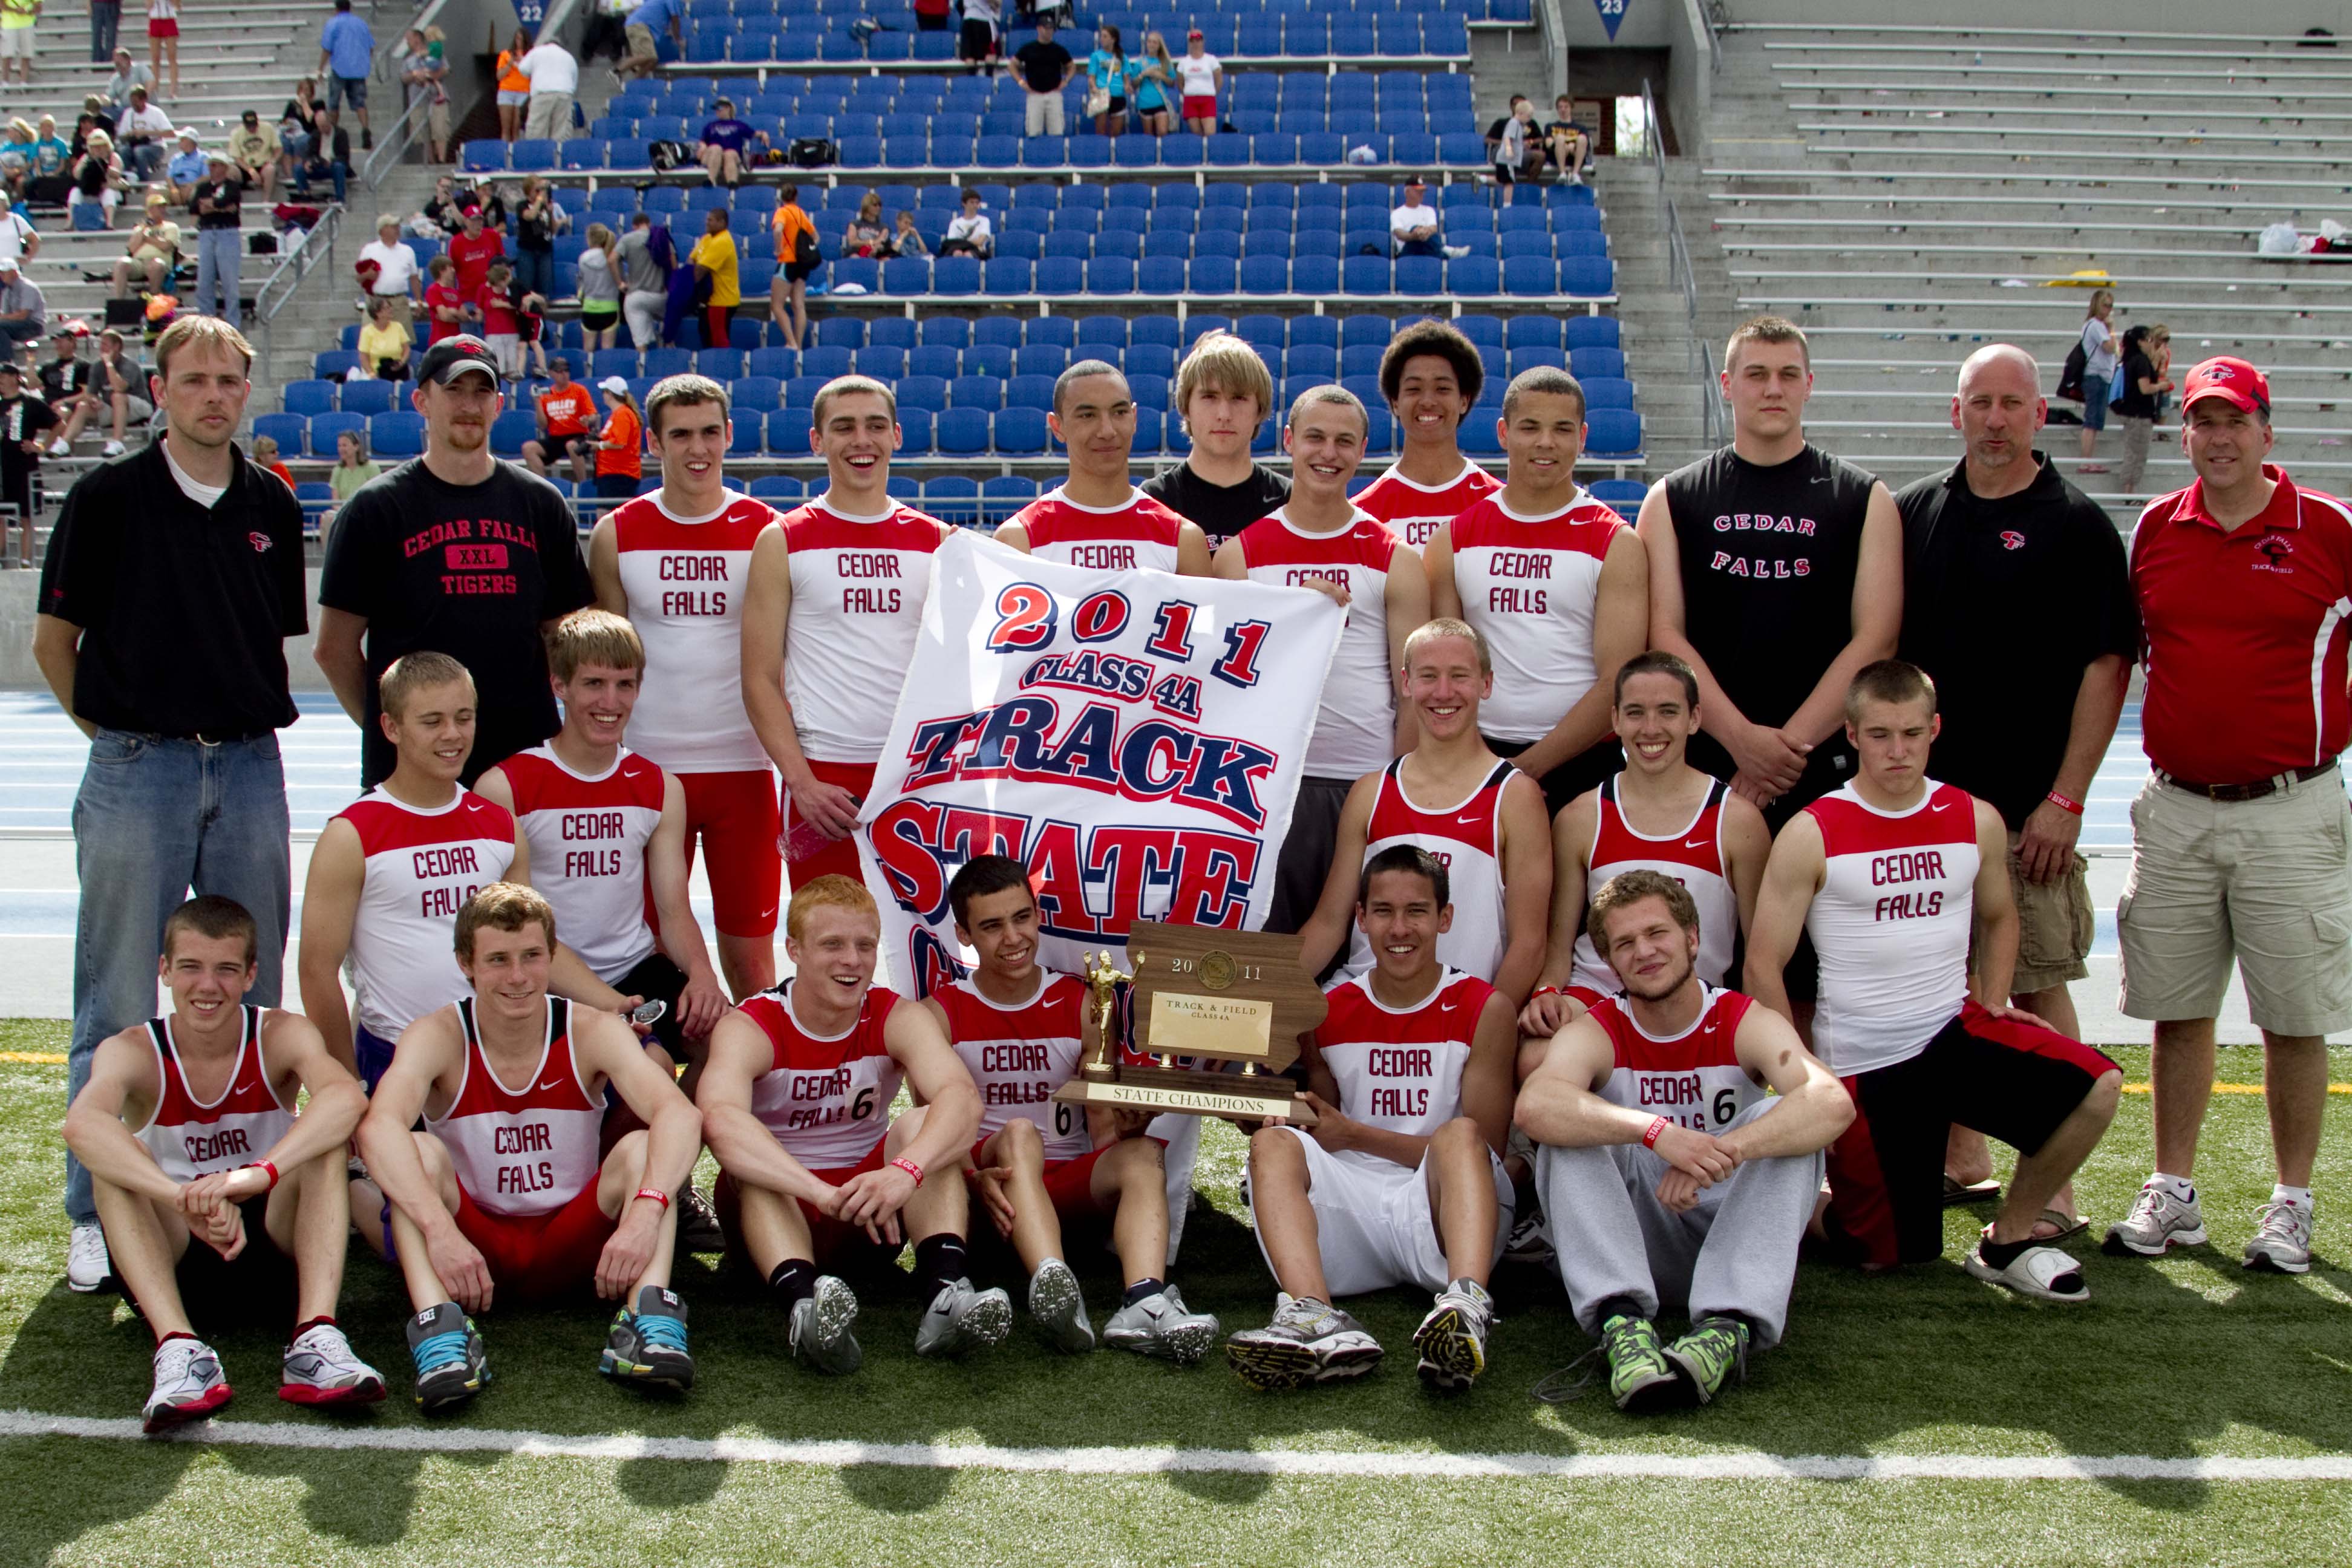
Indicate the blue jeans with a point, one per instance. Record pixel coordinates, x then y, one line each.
318 169
535 270
217 253
154 819
147 159
105 17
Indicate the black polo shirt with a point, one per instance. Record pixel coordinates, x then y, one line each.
471 571
185 610
2005 603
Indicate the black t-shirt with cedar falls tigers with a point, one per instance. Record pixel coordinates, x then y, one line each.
471 571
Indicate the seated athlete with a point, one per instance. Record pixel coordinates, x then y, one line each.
502 1195
1890 876
1400 1182
207 1181
813 1173
1671 1179
1022 1032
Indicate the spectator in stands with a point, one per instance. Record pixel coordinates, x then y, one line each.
931 15
1202 81
1519 145
253 148
715 259
144 134
640 28
1413 224
798 256
105 23
2159 354
2138 386
442 209
23 415
976 45
1567 145
97 177
865 236
538 220
567 425
18 239
264 453
298 124
473 248
388 268
163 40
219 244
514 87
17 19
1107 82
645 282
485 196
906 240
501 317
330 159
1224 393
17 160
64 387
599 290
346 54
151 249
128 74
968 231
120 388
1151 85
554 77
353 468
726 141
51 155
605 33
445 301
620 456
185 172
424 73
387 339
2098 374
1045 69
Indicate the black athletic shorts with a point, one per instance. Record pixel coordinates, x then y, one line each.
2010 1081
257 1285
1304 862
655 976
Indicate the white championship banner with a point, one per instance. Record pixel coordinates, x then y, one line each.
1134 738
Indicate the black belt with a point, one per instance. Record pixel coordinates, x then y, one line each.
2254 791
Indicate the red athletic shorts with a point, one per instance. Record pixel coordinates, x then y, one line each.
1069 1183
735 815
539 1254
1202 108
828 1238
839 856
2009 1080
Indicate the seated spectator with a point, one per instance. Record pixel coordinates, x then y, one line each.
1202 81
52 156
976 44
1517 143
143 135
117 387
353 468
298 123
264 453
24 313
567 426
330 159
185 172
1413 226
153 248
866 237
906 240
18 239
386 339
388 268
97 178
16 159
968 231
725 142
1567 145
1151 85
253 150
128 74
64 387
491 198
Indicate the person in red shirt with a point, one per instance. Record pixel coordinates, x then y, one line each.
445 302
501 321
567 424
472 250
2239 841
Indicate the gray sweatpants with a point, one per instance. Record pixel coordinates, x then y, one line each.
1734 1251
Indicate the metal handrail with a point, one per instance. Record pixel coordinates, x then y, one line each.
1684 276
285 281
391 147
1555 44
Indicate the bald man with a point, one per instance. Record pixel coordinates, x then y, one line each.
2002 542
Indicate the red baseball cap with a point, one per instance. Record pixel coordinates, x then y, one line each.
2232 379
1195 33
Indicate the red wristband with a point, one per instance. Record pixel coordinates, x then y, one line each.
910 1168
1650 1135
2063 804
272 1170
660 1198
1545 990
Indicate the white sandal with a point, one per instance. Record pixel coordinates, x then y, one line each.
2033 1273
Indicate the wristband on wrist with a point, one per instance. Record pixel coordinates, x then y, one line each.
267 1169
1650 1133
656 1194
1544 991
2064 803
910 1168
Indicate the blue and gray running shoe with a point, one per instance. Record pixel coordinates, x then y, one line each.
451 1364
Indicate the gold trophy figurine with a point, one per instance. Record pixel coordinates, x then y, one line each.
1104 979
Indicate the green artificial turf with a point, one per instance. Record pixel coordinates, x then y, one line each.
2187 1356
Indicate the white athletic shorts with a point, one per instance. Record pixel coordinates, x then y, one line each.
1373 1223
16 43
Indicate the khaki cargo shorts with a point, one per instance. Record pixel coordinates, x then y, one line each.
2054 925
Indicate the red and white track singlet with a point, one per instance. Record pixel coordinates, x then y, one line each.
1529 585
826 1098
686 579
1891 923
1694 1079
1355 723
190 1137
1020 1055
526 1150
422 866
858 588
1693 857
1467 839
588 838
1399 1069
1416 511
1139 533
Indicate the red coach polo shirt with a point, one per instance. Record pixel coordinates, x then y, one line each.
2243 634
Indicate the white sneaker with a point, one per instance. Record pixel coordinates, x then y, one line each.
2157 1223
189 1384
59 449
319 1369
113 450
2282 1242
87 1264
1454 252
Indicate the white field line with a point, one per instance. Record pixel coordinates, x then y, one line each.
1732 1466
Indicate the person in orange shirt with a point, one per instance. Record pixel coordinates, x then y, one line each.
620 454
567 415
788 294
514 86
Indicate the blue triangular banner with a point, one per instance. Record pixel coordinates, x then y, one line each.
1612 12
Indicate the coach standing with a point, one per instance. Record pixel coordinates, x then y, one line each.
2239 843
457 551
172 579
2026 720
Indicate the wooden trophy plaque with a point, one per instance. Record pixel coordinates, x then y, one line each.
1231 997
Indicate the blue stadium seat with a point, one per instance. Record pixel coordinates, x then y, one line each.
1020 433
1596 361
1420 276
1004 494
1531 332
777 363
1474 276
923 391
1264 275
532 154
1150 391
1613 491
483 157
1359 274
1613 433
1008 275
757 395
788 431
833 355
1537 358
309 398
997 337
719 363
1591 332
1213 275
1229 151
915 427
1607 392
1110 275
396 436
368 399
961 432
1044 151
952 499
288 431
1477 437
1316 360
954 276
1061 275
583 152
985 391
1318 276
908 276
661 362
882 361
324 429
1588 276
801 391
1029 391
775 488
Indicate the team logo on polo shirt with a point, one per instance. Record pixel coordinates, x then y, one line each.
2274 548
260 542
2012 539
